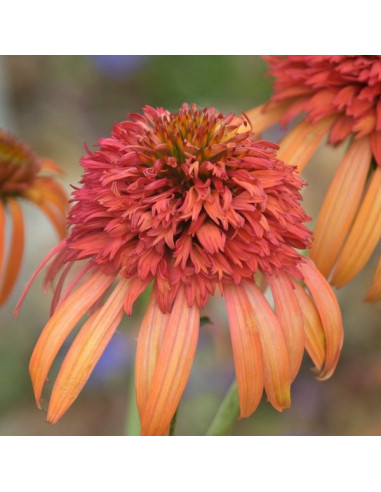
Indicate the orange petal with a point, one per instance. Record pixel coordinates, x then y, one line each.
57 249
16 249
364 235
300 143
51 203
290 319
59 222
329 312
264 116
47 164
374 293
54 193
313 327
60 325
85 351
247 349
137 286
2 236
274 350
173 366
147 351
340 205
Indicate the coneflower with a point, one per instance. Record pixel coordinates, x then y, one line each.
191 203
339 96
24 176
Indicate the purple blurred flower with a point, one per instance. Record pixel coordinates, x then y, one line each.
118 66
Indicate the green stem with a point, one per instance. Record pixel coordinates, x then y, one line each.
132 419
227 413
172 426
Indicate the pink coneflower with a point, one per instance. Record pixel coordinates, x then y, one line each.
339 96
189 202
22 177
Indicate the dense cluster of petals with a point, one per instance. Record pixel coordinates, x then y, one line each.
346 87
22 177
191 202
188 199
339 97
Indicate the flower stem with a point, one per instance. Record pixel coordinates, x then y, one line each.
172 426
227 413
132 420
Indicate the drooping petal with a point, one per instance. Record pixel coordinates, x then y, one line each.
57 249
247 351
85 351
49 165
329 312
300 143
275 357
313 328
173 366
147 351
16 249
58 221
60 325
364 235
290 318
374 293
340 205
137 286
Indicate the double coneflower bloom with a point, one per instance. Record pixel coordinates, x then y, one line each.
191 203
24 176
339 96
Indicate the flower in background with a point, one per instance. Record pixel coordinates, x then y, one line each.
22 177
189 202
339 96
118 66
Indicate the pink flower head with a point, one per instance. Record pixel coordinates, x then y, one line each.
190 202
338 97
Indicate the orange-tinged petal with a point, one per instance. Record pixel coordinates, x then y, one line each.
340 205
60 325
2 237
364 235
290 319
85 351
16 249
313 328
264 116
247 349
300 143
329 312
147 350
137 286
59 222
173 366
274 350
374 293
57 249
49 165
51 202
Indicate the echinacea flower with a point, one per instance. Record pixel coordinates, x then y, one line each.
22 177
189 202
339 96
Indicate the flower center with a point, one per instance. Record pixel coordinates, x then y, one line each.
18 166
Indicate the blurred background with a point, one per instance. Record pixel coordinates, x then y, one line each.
55 105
